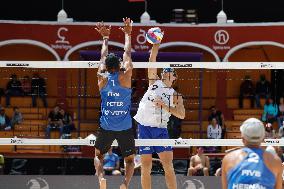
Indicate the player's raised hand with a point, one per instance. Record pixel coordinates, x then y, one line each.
103 29
127 28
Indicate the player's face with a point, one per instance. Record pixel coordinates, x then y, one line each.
169 76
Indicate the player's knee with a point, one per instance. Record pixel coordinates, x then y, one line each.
205 170
129 161
168 166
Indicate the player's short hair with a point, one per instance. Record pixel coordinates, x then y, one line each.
112 62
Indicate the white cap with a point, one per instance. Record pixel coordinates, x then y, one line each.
253 130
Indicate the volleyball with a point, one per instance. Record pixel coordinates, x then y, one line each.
154 35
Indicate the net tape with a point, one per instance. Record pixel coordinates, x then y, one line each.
138 142
94 64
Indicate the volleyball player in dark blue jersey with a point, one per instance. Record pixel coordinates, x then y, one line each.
115 90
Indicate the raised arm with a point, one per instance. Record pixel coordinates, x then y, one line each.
152 72
104 31
127 61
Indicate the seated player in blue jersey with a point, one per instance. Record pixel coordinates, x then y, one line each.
158 103
115 91
251 167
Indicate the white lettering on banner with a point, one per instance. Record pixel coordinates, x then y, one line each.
221 37
115 113
252 173
114 103
248 186
141 40
61 43
113 94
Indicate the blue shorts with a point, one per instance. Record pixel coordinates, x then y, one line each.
146 132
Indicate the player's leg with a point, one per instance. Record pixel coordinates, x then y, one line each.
126 143
146 168
166 158
102 145
146 156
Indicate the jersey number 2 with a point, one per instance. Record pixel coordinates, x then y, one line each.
253 157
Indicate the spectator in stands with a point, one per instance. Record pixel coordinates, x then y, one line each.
246 90
199 164
270 111
38 90
17 117
26 85
219 117
280 117
263 89
68 124
111 163
14 88
214 130
5 123
269 131
54 120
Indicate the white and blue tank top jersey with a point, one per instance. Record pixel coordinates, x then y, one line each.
115 105
251 172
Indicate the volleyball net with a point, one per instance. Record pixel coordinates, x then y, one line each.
73 85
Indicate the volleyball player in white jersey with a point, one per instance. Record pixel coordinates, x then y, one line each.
155 108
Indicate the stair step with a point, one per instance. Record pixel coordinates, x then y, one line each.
248 111
244 117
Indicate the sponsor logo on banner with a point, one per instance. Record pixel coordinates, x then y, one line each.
272 141
193 184
141 41
37 183
266 65
17 65
181 65
61 42
221 38
16 141
92 142
93 64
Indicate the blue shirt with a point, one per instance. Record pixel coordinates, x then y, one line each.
110 160
251 172
115 105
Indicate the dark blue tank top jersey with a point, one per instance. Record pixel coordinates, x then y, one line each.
251 172
115 105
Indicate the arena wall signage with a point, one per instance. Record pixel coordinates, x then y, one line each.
90 182
218 40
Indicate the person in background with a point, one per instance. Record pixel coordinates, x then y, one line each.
174 127
280 117
38 90
5 123
270 111
54 120
269 131
26 85
17 117
14 88
111 163
214 130
199 164
67 121
246 90
219 117
263 89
